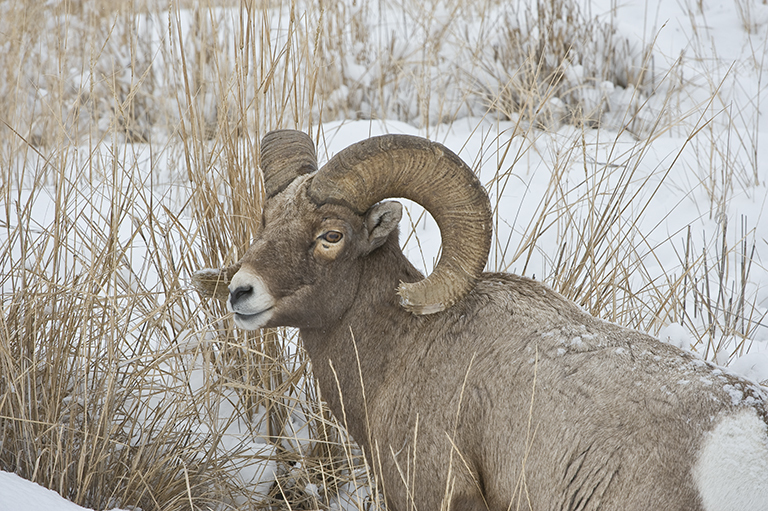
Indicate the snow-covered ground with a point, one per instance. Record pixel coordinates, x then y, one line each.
17 494
707 66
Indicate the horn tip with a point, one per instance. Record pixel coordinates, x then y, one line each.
418 306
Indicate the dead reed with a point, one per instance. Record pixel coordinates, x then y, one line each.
128 146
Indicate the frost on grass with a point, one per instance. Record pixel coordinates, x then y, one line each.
131 148
545 62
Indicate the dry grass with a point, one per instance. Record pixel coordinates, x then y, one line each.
138 127
118 386
610 266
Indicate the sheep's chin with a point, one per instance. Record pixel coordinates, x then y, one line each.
250 300
253 321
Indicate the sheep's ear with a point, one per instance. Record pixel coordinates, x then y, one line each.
213 283
380 221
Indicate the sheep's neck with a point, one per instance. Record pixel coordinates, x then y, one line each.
369 340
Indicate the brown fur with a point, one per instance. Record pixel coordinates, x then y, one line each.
512 399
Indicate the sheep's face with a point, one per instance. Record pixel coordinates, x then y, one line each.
304 267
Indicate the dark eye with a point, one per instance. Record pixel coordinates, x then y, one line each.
332 236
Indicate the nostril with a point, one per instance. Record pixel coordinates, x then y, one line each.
239 292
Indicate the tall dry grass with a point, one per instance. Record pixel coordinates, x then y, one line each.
136 127
119 387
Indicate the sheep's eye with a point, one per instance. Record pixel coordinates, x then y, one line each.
332 236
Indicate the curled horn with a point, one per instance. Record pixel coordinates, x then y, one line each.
430 174
285 155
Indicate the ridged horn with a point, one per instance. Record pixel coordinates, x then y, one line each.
431 175
285 155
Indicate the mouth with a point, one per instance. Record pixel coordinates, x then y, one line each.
249 317
252 321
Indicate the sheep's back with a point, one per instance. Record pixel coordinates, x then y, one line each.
532 390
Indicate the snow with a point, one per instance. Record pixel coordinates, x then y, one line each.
676 334
713 61
753 366
17 494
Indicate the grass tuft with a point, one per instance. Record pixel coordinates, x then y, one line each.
129 146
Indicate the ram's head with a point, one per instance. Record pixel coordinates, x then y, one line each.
319 226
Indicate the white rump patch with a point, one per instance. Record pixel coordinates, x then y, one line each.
731 472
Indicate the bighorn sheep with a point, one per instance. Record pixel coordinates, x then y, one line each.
474 390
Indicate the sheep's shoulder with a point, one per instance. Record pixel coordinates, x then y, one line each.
508 308
525 327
